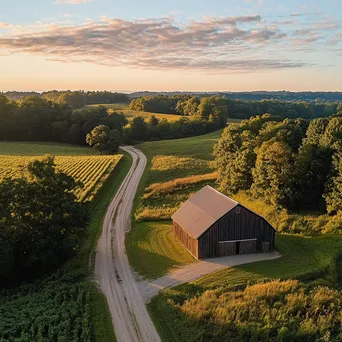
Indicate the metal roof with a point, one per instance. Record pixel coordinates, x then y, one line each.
202 210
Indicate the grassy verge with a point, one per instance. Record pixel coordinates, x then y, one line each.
311 260
152 249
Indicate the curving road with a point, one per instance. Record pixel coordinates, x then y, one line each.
130 318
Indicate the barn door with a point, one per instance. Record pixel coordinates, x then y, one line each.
227 248
247 247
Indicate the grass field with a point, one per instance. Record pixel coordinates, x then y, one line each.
131 114
152 249
40 149
175 169
312 260
92 171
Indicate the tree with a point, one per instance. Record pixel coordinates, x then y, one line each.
311 170
103 139
315 131
7 109
333 195
332 136
41 221
139 129
272 175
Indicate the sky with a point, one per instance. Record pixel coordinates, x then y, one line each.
187 45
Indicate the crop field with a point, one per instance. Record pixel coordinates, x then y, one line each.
66 306
39 149
92 171
313 260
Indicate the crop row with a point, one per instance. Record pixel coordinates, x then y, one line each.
92 171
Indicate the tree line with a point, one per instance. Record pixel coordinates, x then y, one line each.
76 99
293 163
38 119
239 109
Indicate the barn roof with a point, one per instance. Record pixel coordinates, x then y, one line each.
202 210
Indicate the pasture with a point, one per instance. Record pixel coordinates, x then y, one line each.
175 169
92 171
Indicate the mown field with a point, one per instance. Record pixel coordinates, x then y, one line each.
66 305
92 171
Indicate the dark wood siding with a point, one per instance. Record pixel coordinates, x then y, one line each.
238 224
189 243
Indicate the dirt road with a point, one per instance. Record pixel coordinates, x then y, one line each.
113 273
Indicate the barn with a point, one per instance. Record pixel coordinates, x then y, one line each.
210 224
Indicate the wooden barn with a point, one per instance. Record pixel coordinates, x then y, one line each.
210 224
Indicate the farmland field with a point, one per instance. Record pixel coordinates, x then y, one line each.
39 149
92 171
66 306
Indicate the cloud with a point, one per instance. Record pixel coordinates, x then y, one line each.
4 25
71 2
213 44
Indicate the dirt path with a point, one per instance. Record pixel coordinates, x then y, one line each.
191 272
113 273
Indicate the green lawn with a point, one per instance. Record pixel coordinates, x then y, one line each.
152 249
312 260
39 149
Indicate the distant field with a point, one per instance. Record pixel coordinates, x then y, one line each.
39 149
130 114
92 171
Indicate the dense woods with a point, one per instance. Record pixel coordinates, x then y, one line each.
292 163
239 109
41 222
37 119
75 99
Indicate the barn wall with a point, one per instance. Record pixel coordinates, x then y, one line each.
236 226
189 243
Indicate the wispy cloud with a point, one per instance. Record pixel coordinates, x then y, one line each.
71 2
214 44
